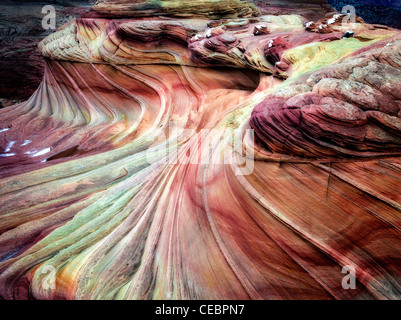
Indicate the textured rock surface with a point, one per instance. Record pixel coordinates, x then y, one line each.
86 190
348 109
311 10
21 65
146 8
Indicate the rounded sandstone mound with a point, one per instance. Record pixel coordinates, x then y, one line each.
348 109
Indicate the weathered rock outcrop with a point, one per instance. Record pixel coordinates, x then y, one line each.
147 8
348 109
133 171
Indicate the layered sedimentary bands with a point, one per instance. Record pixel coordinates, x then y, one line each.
108 188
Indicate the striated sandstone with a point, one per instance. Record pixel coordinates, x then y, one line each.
86 189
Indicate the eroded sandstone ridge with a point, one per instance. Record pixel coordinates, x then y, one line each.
348 109
205 8
86 190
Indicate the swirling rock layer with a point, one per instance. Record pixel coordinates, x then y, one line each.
88 194
349 109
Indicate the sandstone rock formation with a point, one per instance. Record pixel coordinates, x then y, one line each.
133 172
146 8
348 109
